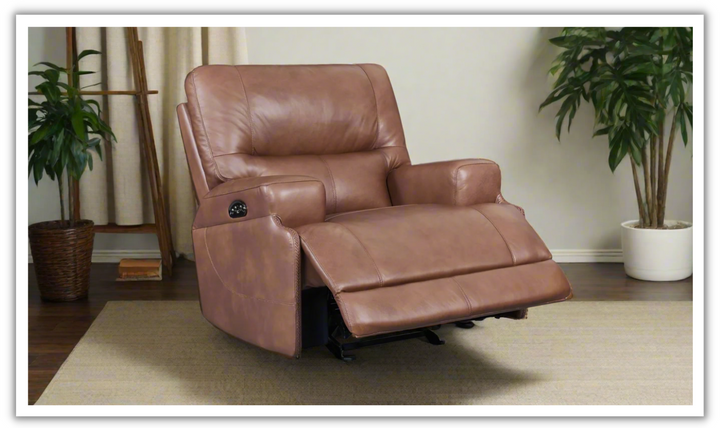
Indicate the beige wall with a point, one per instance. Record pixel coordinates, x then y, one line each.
462 93
465 92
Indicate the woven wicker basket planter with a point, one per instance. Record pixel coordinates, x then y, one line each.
62 257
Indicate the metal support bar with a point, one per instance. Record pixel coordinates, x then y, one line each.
465 324
340 348
338 334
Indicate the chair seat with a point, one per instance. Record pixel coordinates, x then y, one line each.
411 266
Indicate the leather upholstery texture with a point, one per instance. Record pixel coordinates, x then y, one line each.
337 123
249 282
294 199
396 245
460 182
317 153
455 298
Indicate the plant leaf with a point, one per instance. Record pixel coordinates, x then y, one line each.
98 150
689 113
603 131
51 92
37 170
683 126
87 52
556 95
52 76
564 108
71 91
618 149
78 125
32 117
57 147
52 66
39 134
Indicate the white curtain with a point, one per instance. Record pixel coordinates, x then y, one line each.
117 190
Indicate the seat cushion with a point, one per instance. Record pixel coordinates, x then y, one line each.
385 247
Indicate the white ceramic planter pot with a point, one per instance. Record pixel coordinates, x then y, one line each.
657 255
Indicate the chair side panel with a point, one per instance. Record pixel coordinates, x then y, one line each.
252 291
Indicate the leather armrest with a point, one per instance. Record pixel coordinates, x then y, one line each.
459 182
295 199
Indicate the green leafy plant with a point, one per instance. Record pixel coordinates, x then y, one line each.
636 79
64 127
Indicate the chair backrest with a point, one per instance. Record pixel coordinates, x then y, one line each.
337 123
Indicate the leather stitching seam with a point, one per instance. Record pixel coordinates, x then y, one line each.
377 113
245 296
332 180
366 252
247 100
462 318
336 215
502 201
295 242
481 314
455 185
387 159
261 185
462 291
207 137
345 312
310 253
457 170
501 235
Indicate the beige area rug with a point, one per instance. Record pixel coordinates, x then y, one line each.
565 353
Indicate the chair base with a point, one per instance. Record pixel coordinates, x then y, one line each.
465 324
339 340
340 348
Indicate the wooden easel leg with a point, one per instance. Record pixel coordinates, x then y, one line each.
148 142
70 55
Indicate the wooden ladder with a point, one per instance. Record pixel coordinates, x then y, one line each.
161 227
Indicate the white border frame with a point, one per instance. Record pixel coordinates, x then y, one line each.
23 22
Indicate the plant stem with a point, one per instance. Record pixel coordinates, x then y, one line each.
660 210
638 193
648 190
666 172
653 182
62 198
71 214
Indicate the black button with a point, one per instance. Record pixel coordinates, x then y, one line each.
237 209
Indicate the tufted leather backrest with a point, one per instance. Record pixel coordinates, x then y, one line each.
337 123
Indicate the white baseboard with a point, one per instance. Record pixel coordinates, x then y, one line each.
587 256
560 256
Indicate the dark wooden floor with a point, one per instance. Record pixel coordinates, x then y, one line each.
55 328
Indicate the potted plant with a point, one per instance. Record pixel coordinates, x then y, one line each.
62 131
637 81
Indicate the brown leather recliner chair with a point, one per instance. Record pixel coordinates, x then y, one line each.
304 184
